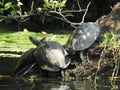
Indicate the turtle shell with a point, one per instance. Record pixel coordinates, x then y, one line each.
51 56
83 37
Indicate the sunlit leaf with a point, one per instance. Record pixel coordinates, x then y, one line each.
1 20
25 30
7 5
43 32
62 4
1 3
19 3
46 1
2 10
39 9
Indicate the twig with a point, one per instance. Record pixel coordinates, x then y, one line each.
63 17
73 11
83 18
16 17
79 4
100 59
32 6
116 69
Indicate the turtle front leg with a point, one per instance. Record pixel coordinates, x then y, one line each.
28 70
63 74
22 72
83 57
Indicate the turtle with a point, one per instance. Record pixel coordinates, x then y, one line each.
51 56
82 38
26 63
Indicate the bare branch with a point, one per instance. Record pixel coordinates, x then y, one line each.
73 11
83 18
16 17
79 4
63 18
61 15
32 6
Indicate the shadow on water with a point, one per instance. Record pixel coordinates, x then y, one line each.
54 84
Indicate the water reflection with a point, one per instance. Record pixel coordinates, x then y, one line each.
54 84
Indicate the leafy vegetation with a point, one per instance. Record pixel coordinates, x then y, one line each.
110 54
43 12
15 9
53 4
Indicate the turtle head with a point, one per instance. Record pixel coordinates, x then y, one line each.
35 41
69 49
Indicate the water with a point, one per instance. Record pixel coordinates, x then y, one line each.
54 84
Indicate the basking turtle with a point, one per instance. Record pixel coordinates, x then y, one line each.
50 55
26 63
82 38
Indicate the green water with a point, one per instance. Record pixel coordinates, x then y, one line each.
54 84
18 41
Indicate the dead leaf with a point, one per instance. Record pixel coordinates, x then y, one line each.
43 32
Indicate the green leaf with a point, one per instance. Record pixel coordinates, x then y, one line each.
62 4
108 37
19 4
25 30
1 20
1 3
46 5
46 2
7 5
39 9
2 10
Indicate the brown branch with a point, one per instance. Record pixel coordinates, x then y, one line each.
73 11
16 17
83 18
79 4
62 17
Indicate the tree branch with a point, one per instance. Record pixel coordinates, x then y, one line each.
79 4
16 17
83 18
63 17
60 14
73 11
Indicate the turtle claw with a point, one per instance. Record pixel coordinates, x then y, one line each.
25 70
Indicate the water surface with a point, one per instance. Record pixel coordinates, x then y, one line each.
55 84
